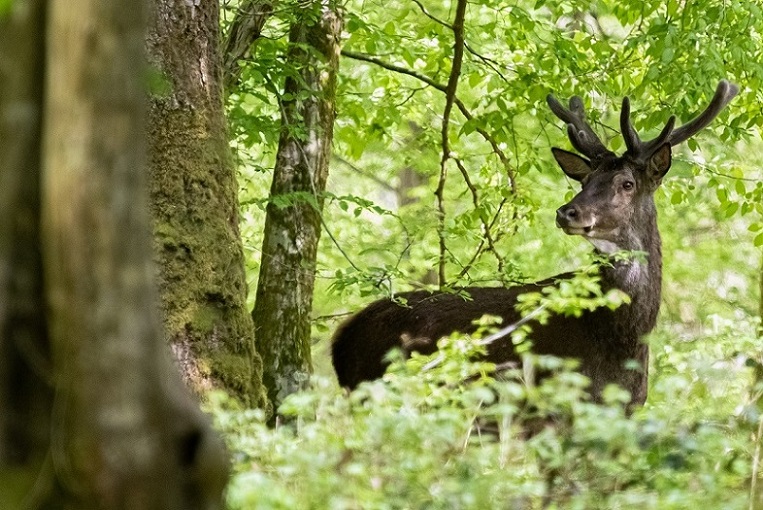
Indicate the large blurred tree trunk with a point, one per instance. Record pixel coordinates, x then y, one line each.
194 204
287 271
108 412
26 393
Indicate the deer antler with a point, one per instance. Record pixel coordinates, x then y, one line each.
579 131
724 93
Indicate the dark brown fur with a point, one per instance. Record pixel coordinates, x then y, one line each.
603 340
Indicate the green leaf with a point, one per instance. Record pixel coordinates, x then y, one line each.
758 240
722 194
475 79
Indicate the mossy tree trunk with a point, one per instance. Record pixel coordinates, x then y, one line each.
110 424
293 220
194 204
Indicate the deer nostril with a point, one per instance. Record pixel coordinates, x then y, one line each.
568 213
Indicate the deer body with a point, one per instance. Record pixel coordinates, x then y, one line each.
615 211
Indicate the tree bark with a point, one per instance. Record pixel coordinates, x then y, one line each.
293 219
194 205
243 35
108 410
26 394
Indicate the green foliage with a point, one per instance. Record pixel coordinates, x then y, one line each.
423 438
575 295
411 441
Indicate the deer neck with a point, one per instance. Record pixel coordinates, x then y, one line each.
639 276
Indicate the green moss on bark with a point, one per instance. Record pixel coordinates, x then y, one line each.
194 207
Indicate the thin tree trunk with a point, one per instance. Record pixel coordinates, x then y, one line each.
287 272
194 205
243 35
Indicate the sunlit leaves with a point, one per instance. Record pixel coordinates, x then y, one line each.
666 55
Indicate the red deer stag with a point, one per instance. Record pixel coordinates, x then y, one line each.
614 211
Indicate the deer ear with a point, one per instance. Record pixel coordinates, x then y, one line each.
659 163
573 165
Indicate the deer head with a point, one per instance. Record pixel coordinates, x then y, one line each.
615 208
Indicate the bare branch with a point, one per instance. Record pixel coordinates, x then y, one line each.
508 167
395 68
450 95
475 201
432 17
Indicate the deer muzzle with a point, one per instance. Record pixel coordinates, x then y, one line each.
573 221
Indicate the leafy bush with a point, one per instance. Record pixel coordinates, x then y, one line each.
422 438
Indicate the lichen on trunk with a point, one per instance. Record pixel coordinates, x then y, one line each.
287 272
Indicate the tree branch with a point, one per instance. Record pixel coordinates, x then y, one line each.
450 96
394 68
489 62
475 201
244 32
430 16
509 169
381 182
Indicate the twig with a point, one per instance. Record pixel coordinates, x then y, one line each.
498 335
465 269
331 316
450 95
395 68
381 182
508 167
430 16
504 332
475 202
707 168
489 62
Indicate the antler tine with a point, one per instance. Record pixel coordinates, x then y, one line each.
650 147
643 150
579 131
724 93
632 141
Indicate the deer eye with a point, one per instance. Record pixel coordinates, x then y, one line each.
628 185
